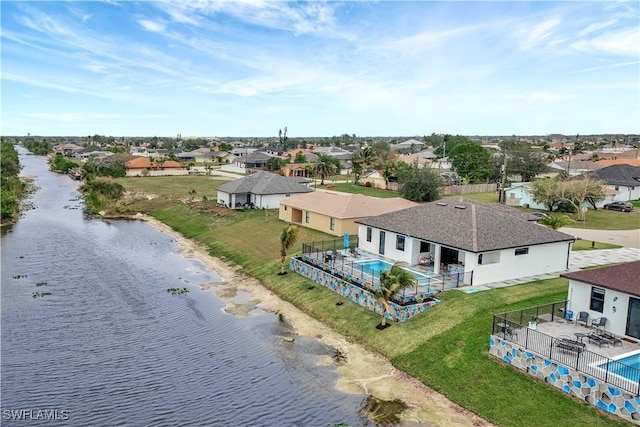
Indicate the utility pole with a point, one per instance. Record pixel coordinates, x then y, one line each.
503 180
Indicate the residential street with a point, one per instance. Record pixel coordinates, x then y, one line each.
626 238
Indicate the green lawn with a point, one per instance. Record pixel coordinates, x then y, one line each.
175 186
360 189
588 245
446 347
490 197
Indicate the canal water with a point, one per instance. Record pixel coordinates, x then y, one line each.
91 336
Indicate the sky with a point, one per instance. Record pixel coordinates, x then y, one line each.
371 68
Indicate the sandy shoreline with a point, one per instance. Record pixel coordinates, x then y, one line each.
364 371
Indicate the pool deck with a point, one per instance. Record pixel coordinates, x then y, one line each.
564 328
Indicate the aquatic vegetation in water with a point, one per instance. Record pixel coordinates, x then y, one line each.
19 276
40 294
41 283
178 291
382 412
339 356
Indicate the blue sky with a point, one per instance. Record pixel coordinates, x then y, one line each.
249 68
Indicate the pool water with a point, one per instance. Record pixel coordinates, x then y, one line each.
375 266
627 367
633 360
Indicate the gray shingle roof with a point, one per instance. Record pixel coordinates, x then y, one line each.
466 225
622 277
264 183
618 175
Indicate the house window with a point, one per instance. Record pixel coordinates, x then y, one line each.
617 187
522 251
369 234
307 215
332 224
597 299
287 195
400 243
285 207
488 258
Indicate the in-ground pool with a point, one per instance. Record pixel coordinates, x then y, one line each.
374 267
628 367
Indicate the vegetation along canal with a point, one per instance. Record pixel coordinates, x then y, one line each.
90 331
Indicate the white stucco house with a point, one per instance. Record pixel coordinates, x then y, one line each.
519 194
621 180
612 292
486 242
261 190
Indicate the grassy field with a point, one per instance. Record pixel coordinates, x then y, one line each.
446 347
175 186
588 245
602 219
491 197
359 189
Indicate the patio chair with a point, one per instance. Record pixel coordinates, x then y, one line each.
598 323
583 317
598 340
611 338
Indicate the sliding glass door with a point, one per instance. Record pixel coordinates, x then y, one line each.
633 318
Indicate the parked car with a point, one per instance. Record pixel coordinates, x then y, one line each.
619 206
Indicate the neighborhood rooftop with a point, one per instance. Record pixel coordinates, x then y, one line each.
265 183
621 277
343 205
466 225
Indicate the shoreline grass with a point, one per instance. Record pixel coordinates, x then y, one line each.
446 347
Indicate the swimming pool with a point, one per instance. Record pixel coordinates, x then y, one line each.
627 367
374 267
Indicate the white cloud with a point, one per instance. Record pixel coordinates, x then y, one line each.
538 34
625 42
153 26
596 27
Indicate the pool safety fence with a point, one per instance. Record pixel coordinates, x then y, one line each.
510 327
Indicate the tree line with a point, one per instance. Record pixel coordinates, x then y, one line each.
11 187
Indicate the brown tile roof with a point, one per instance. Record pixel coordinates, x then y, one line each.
610 162
470 226
621 277
343 205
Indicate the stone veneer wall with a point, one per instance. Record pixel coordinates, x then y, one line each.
355 293
591 390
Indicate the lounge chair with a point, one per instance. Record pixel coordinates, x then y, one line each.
611 338
598 323
570 345
583 317
598 339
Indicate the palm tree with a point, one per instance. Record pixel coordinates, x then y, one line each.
288 238
392 281
325 166
556 221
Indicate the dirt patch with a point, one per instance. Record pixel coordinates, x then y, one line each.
362 371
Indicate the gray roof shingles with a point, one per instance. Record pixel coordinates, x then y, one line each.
621 277
618 175
470 226
264 183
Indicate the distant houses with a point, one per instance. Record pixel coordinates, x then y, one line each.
260 190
